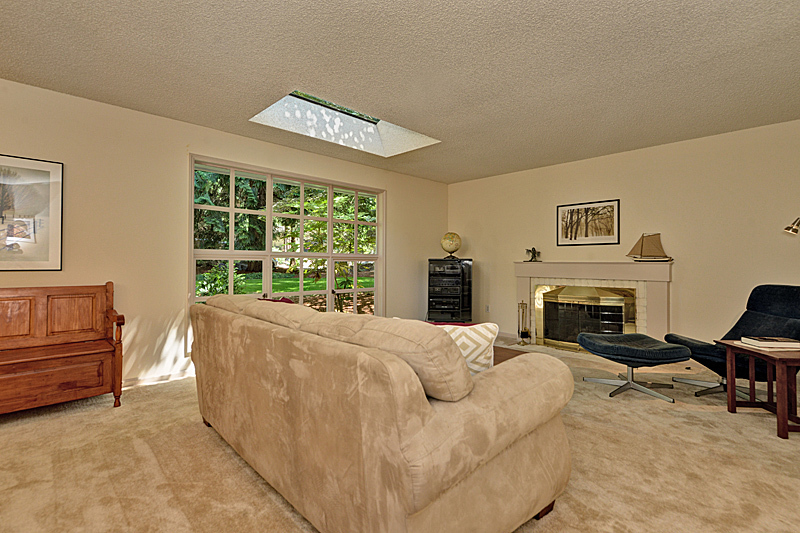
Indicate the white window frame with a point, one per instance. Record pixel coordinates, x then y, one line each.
231 255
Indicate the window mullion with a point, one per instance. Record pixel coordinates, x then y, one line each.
211 207
250 212
302 244
264 272
355 224
231 229
331 265
267 285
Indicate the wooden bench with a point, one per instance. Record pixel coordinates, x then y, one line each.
58 344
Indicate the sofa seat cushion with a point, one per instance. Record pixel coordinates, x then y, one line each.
476 343
508 402
429 350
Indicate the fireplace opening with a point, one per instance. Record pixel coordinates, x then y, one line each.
568 311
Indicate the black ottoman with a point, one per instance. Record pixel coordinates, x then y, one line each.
633 350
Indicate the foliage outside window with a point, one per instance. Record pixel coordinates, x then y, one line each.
260 234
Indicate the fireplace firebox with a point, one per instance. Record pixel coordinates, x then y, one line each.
568 311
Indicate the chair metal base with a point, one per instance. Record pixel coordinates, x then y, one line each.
627 382
714 387
648 384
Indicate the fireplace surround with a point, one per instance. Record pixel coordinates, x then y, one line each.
648 281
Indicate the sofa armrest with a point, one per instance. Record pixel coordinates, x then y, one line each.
508 402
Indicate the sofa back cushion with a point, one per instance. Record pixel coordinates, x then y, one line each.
233 303
429 350
282 314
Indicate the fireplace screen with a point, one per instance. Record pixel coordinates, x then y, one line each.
572 310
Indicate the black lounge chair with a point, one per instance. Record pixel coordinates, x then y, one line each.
772 311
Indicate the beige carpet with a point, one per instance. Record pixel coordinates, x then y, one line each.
639 464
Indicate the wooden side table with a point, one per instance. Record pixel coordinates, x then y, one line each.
785 364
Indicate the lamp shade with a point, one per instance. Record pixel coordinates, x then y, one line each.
794 227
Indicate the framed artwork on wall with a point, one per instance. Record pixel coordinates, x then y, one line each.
588 223
30 213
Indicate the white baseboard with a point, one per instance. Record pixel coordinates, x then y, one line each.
507 338
133 382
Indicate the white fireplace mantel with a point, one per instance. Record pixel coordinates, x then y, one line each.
595 270
655 276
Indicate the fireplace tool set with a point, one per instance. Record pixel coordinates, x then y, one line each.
522 324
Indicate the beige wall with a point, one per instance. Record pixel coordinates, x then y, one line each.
720 204
126 210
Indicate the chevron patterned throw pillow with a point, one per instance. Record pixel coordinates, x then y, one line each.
476 344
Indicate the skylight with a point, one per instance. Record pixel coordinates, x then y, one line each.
335 107
309 115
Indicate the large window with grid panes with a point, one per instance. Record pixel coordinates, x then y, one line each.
276 236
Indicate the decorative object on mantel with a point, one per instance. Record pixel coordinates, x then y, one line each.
588 223
534 255
522 324
648 249
793 228
30 213
451 242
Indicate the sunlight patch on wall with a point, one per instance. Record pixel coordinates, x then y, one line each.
340 126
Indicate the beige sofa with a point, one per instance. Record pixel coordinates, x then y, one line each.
339 414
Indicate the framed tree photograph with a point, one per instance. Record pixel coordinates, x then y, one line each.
588 223
30 213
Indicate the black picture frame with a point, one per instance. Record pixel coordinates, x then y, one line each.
587 223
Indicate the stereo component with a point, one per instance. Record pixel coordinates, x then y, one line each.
450 290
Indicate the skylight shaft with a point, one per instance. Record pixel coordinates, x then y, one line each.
308 115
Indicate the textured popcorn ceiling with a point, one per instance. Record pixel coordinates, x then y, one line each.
505 85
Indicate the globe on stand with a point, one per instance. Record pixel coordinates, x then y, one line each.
451 242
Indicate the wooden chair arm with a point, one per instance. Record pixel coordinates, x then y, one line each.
119 320
115 317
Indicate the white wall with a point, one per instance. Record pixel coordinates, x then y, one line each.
126 210
720 204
